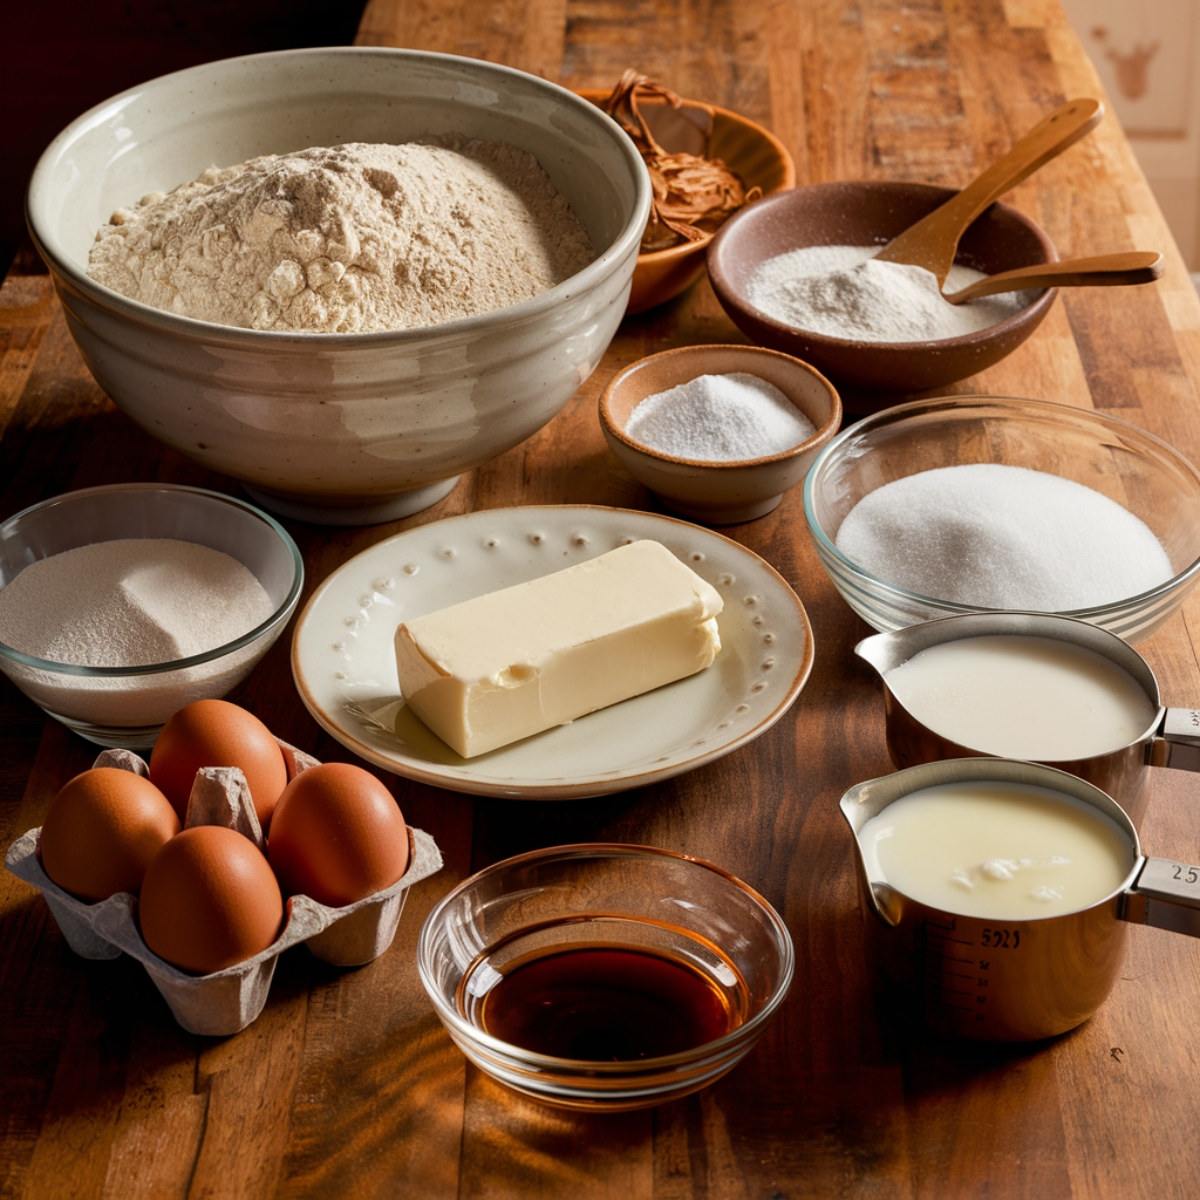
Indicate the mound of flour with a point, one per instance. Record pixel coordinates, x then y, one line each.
348 239
845 292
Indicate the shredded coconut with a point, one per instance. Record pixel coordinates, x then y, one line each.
348 239
131 602
719 418
842 292
1005 537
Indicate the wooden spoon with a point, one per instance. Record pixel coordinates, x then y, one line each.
932 241
1104 270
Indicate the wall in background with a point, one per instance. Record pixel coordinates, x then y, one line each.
1147 53
60 57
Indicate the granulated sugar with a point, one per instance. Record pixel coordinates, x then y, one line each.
841 291
719 418
348 239
1003 537
131 602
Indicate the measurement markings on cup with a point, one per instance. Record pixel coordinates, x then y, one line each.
952 969
959 965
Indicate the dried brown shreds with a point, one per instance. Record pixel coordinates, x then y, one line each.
693 195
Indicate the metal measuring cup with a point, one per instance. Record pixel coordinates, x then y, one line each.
1171 739
1005 980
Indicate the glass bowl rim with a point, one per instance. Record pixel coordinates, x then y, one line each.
280 615
1051 409
583 1068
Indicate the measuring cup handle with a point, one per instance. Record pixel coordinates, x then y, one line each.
1165 895
1178 741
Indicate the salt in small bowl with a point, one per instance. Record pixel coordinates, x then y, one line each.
720 492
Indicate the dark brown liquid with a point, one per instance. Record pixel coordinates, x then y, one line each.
603 1005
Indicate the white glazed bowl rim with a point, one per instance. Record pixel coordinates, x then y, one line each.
891 416
279 617
49 246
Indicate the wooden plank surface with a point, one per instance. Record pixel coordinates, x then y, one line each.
346 1085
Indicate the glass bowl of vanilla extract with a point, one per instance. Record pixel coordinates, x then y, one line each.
605 977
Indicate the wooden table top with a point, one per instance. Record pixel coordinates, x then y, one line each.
347 1085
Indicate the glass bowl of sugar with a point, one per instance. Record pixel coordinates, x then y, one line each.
121 604
965 504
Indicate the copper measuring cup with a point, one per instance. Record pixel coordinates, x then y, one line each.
1010 980
1171 739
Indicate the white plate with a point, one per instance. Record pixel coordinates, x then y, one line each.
345 669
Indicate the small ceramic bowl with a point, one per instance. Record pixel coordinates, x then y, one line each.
127 706
867 214
339 428
754 154
627 901
1122 462
718 493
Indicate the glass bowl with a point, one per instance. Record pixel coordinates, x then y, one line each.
631 900
1124 463
127 706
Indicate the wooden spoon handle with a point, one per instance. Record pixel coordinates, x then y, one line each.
932 241
1105 270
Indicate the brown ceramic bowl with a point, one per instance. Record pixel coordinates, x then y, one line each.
864 214
751 152
718 493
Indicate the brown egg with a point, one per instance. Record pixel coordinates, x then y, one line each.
102 830
215 733
337 835
209 900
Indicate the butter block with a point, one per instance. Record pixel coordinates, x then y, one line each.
512 663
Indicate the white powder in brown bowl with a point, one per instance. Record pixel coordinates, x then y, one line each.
348 239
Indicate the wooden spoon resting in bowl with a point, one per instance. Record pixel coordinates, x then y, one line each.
932 241
1104 270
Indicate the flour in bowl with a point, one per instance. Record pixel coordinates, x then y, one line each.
845 292
348 239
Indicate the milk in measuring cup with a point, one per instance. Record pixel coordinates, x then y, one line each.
1023 697
998 850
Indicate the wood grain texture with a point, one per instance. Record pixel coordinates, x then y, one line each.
347 1086
526 34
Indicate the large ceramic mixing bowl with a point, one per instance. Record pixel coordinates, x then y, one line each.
339 428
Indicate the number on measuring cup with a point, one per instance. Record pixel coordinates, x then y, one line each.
1001 939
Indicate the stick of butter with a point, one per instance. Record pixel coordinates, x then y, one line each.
511 663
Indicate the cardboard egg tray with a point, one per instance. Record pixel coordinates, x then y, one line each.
226 1001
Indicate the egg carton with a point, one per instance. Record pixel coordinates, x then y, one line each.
225 1002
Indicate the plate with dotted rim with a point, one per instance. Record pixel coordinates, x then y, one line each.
345 669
